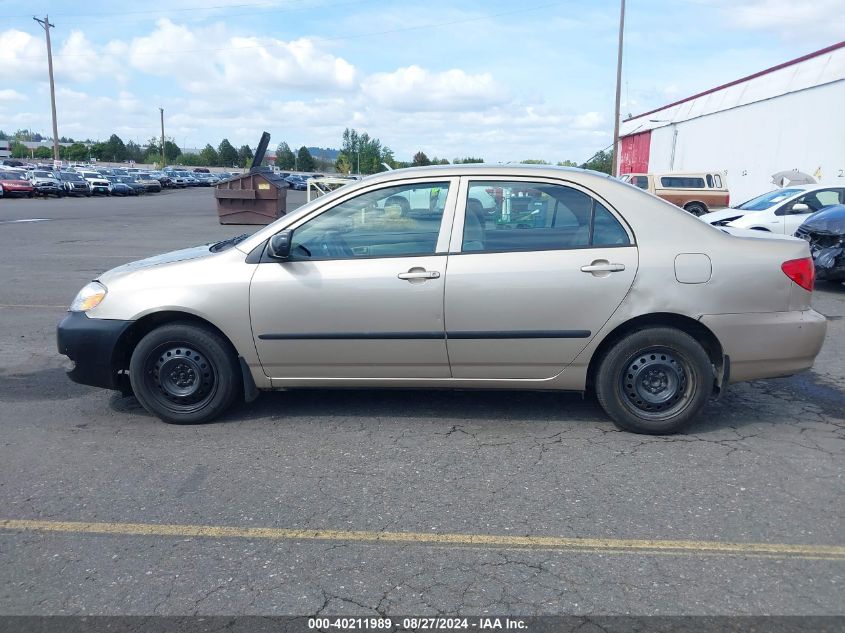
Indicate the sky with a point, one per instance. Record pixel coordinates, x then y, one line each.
505 81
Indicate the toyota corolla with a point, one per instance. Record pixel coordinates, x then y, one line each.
463 277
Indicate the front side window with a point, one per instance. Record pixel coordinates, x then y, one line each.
718 179
682 182
506 216
818 200
400 221
709 181
640 181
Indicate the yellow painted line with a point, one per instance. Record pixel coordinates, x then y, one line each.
595 545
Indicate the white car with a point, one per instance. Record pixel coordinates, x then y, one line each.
779 211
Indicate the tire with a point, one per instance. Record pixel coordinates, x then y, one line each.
185 374
661 395
696 208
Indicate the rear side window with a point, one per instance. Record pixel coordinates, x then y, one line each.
640 181
503 216
682 182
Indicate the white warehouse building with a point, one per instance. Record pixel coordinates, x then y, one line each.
791 116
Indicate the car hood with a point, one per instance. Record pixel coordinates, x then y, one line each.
194 252
715 216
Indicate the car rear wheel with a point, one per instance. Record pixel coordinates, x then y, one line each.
184 373
654 381
696 208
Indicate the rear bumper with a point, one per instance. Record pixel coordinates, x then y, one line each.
90 344
768 344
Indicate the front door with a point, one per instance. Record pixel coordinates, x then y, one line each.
534 275
361 295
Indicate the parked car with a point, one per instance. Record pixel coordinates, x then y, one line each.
614 290
825 231
298 183
163 179
695 192
46 183
201 170
15 184
152 184
99 183
133 182
117 188
779 211
74 184
177 181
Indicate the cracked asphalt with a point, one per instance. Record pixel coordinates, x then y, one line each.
763 465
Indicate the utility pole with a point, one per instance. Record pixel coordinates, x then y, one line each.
45 24
161 110
615 155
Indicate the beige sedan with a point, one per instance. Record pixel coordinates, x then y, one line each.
466 276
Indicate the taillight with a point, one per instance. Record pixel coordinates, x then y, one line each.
801 271
728 200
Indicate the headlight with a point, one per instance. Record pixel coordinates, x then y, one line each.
89 297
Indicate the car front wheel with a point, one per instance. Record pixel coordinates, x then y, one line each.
654 381
184 373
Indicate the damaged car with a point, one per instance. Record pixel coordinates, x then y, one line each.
825 231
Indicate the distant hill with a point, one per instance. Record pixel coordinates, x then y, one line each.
324 152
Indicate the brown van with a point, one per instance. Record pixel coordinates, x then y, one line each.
697 192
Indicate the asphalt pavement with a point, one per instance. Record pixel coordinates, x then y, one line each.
390 502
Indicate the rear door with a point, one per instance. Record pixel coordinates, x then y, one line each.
533 278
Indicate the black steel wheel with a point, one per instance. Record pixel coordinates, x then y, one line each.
696 208
655 380
185 373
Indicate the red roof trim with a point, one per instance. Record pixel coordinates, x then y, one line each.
739 81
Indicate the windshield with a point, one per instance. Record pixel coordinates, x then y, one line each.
12 175
768 200
73 177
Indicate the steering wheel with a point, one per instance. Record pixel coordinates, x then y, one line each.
333 245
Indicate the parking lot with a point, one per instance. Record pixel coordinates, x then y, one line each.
383 502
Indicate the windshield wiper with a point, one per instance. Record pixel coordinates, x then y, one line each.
227 244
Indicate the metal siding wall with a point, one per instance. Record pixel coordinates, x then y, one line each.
802 130
634 153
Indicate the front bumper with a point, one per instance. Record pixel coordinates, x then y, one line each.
90 344
768 344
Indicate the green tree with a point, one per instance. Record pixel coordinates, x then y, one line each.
567 163
44 152
285 158
134 152
467 160
245 155
19 150
420 159
209 156
304 160
77 152
227 155
600 161
189 159
534 161
113 150
342 164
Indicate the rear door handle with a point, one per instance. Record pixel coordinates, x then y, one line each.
418 273
605 267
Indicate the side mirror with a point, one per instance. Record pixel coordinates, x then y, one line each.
279 246
800 207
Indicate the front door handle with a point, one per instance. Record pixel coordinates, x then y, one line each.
419 274
602 266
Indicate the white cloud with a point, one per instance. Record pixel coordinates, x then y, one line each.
233 62
8 95
417 89
790 19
